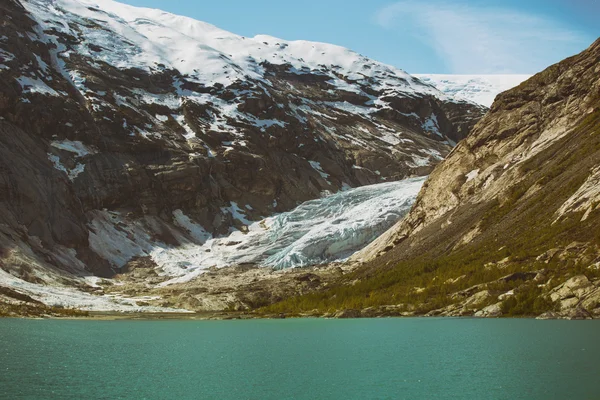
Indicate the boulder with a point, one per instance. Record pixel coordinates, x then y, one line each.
569 303
576 313
577 286
478 298
494 310
549 315
591 300
348 313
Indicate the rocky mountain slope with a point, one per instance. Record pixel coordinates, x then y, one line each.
508 223
480 89
130 133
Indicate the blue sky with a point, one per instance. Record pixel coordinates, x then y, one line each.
419 36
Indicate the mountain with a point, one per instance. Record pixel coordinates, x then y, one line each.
480 89
131 134
507 224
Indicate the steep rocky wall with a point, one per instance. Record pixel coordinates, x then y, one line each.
527 131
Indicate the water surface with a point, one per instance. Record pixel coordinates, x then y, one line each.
300 359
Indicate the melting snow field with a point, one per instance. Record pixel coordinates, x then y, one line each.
317 231
67 297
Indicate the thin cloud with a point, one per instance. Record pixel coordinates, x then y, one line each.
483 40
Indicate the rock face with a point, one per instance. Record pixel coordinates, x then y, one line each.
519 193
119 123
577 297
515 152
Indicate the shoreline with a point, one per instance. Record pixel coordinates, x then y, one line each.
228 316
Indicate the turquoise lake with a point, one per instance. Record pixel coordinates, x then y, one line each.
417 358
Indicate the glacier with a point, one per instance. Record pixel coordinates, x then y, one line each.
327 229
480 89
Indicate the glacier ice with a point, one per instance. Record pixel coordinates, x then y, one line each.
480 89
317 231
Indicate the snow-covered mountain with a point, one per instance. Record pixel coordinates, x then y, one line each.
128 37
480 89
114 117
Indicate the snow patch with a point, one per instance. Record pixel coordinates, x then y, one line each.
472 175
418 161
5 56
431 125
189 133
317 167
71 173
236 212
76 147
55 295
195 230
35 85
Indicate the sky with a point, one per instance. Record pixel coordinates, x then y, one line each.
418 36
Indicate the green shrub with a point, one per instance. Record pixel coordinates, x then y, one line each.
527 301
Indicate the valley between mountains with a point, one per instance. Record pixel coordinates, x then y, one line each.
152 163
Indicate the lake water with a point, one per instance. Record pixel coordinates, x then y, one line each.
313 359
